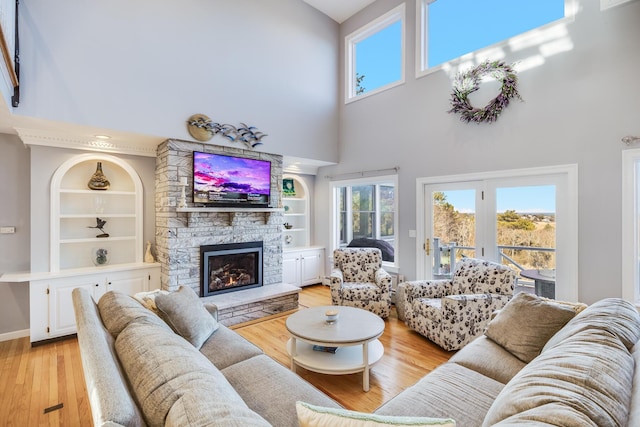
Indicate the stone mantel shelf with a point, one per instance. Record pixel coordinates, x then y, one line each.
227 210
231 211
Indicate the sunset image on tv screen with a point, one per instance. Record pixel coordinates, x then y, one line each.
219 178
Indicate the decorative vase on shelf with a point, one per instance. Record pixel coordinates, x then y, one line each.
148 256
100 256
98 181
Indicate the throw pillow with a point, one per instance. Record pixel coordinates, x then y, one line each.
118 309
148 299
526 323
317 416
184 312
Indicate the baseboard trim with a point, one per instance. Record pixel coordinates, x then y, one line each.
14 335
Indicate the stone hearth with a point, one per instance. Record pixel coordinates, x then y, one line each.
251 304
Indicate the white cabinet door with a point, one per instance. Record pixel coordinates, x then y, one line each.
311 267
290 268
39 310
303 267
62 320
129 282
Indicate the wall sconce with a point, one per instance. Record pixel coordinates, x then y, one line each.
203 129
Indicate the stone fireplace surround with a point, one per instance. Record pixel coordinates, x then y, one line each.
179 235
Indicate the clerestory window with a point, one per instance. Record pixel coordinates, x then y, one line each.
375 55
450 29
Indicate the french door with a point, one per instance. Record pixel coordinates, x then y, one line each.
517 218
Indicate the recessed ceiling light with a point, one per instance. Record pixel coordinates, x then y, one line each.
102 136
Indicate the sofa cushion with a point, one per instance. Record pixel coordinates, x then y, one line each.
195 409
488 358
161 367
118 309
226 348
584 381
449 391
262 376
317 416
615 315
184 312
526 323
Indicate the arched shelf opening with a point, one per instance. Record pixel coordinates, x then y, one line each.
295 202
77 211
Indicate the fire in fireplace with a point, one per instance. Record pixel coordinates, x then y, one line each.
230 267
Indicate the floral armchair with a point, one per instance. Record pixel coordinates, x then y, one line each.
451 313
358 280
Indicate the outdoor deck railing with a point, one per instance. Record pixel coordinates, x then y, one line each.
451 251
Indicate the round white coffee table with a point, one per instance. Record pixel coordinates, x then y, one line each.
355 334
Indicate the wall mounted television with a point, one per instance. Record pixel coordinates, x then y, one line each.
229 181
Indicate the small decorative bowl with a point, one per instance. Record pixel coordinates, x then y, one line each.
331 316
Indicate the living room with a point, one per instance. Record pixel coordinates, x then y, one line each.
118 69
591 87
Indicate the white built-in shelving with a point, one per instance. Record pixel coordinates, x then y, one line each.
296 214
75 209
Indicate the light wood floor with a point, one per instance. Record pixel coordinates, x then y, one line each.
35 380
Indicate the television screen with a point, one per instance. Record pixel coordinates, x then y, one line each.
230 181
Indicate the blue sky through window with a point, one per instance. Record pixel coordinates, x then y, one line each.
379 57
457 27
531 199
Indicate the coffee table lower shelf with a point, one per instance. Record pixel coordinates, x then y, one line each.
346 360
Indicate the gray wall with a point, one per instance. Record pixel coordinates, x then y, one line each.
147 66
577 106
14 248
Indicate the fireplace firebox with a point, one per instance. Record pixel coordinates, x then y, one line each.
230 267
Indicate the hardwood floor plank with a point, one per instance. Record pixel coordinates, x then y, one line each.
35 378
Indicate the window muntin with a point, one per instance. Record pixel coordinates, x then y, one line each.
375 56
449 29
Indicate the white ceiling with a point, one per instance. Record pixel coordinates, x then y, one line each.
339 10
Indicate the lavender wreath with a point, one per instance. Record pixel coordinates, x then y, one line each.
469 82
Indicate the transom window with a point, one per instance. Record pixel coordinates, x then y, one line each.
449 29
365 209
375 55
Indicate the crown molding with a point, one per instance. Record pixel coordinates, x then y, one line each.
141 146
297 165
